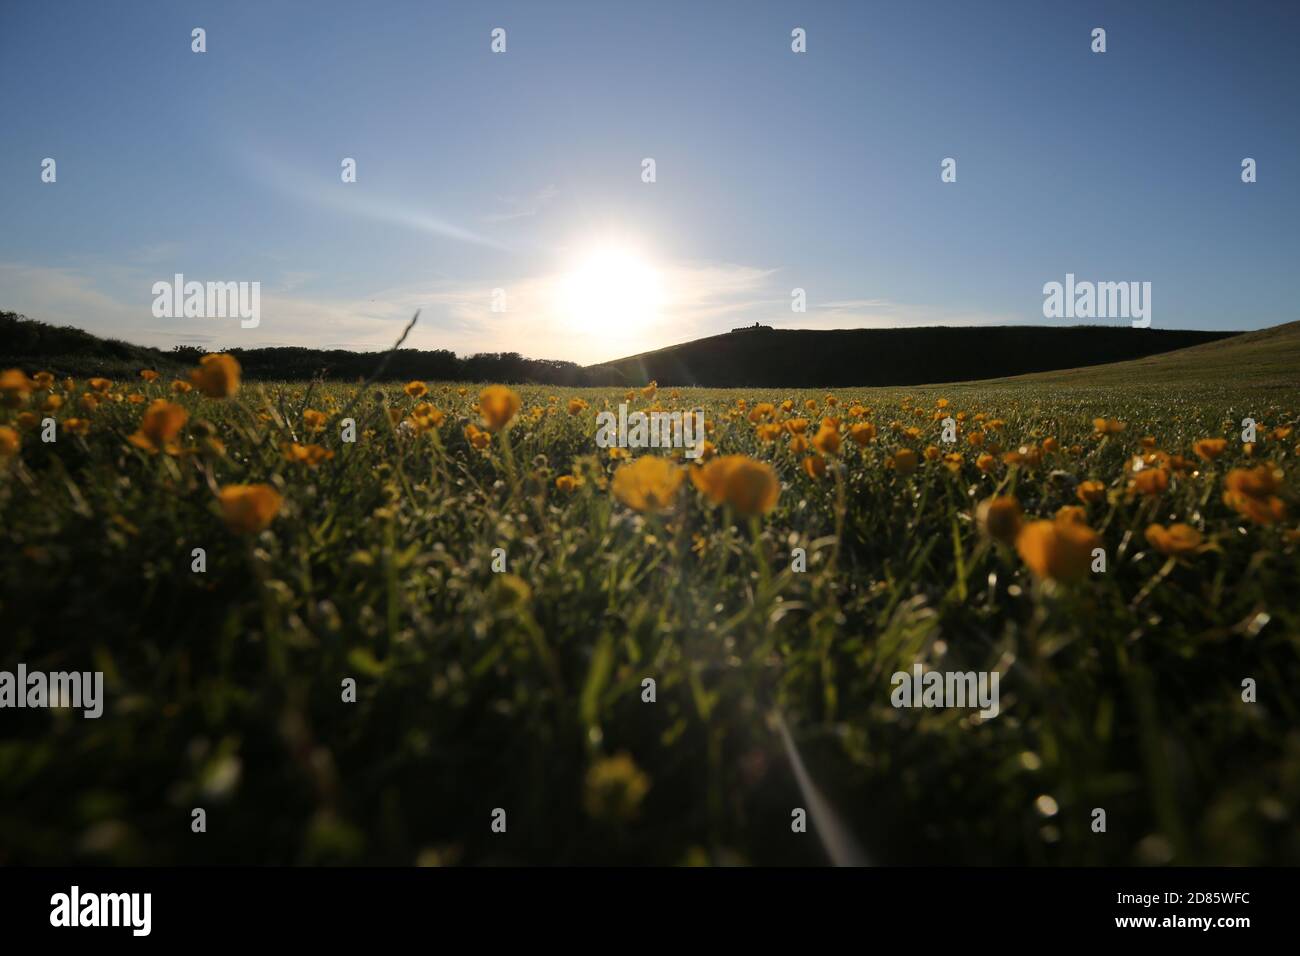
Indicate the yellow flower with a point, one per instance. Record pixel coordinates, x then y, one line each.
649 390
149 375
248 509
614 789
568 483
1177 539
314 420
424 418
999 517
750 487
1059 550
769 431
159 427
217 376
576 406
416 389
648 484
1090 492
498 405
477 438
1210 448
986 462
1252 492
10 441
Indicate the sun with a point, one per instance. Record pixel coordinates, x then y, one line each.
612 289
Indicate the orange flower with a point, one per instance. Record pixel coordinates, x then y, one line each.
649 484
1090 492
478 439
1072 514
180 388
149 375
99 384
999 517
52 403
1150 481
750 487
217 376
78 426
159 427
10 441
310 455
1252 492
15 386
576 406
1061 551
1177 539
498 405
985 462
313 420
827 440
248 509
1210 448
568 483
1107 426
903 461
416 389
814 467
649 390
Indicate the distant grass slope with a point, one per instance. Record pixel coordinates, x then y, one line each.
1267 357
802 358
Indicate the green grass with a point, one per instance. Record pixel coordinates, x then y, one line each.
1269 356
480 690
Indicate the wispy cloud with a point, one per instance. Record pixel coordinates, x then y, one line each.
359 200
523 208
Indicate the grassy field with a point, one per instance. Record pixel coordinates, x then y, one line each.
522 689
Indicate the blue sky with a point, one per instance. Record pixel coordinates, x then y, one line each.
522 171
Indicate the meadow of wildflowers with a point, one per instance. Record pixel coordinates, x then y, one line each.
351 622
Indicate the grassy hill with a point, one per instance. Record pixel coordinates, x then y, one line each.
1269 356
35 346
797 358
